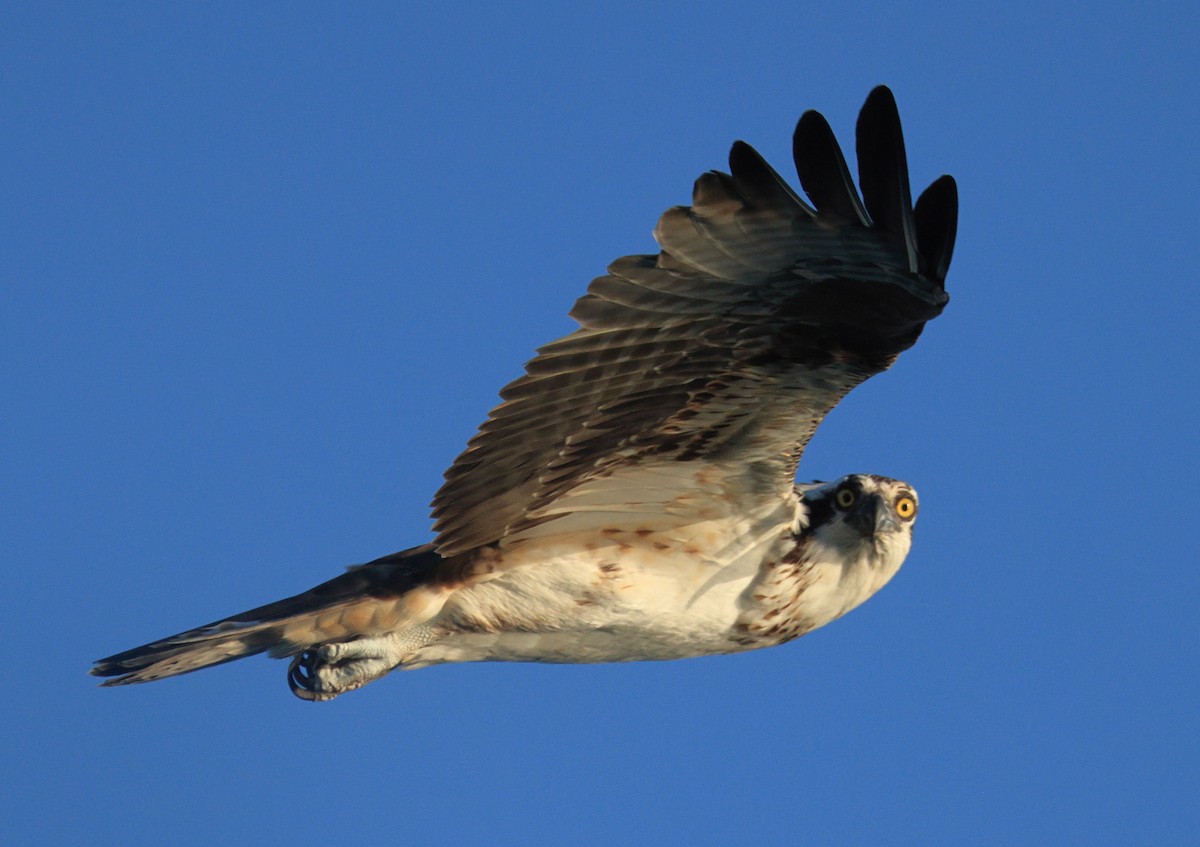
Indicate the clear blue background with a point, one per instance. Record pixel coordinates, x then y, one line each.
265 267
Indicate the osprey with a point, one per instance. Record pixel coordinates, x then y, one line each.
633 496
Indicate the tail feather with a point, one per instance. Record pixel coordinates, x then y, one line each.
347 606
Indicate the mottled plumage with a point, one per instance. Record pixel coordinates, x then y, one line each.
633 495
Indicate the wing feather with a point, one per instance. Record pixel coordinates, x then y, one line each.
883 172
937 223
823 172
728 347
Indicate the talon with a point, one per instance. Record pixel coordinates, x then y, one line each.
303 679
300 677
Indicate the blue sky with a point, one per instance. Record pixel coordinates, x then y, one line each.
264 270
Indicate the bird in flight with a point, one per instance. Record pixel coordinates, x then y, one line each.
633 496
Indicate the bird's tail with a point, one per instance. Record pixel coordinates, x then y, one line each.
367 599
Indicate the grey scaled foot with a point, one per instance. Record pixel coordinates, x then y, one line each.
323 672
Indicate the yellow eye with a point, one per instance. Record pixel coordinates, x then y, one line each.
906 507
845 498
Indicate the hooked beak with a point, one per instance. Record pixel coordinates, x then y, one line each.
873 517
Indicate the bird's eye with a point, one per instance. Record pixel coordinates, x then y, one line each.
845 498
906 507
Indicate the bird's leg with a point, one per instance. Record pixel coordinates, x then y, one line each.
324 671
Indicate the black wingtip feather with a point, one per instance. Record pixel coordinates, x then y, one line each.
883 170
936 216
822 169
758 182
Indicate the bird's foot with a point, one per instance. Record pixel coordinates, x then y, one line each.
325 671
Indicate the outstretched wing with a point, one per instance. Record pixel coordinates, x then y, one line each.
731 345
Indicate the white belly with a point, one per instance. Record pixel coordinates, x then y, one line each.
621 601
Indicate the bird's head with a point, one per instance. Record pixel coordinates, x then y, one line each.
860 515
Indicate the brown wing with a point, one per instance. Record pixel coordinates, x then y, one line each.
732 344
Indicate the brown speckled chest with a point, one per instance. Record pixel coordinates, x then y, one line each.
774 618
